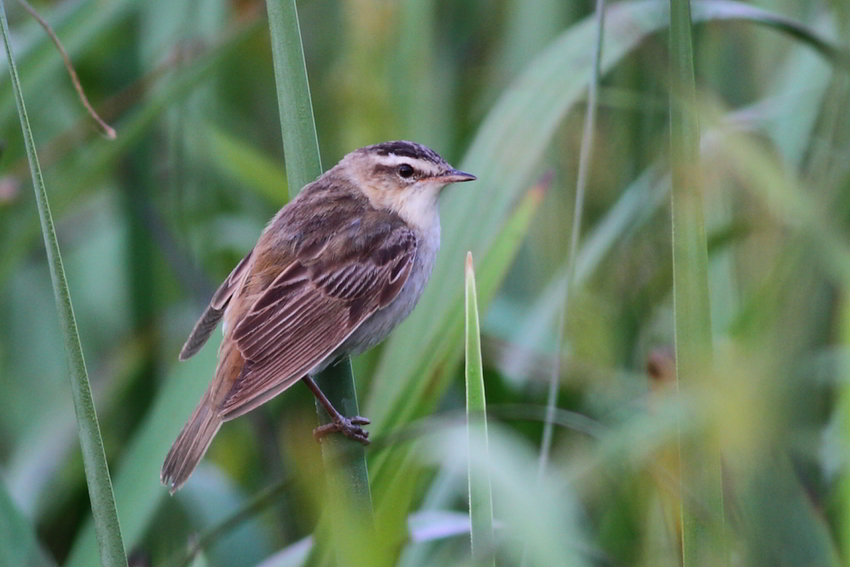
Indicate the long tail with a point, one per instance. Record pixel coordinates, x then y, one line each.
191 445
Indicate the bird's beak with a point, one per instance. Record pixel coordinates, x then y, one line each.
456 176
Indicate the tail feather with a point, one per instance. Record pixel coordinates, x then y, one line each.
190 445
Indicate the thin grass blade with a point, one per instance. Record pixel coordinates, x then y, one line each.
581 186
702 515
480 490
547 515
393 470
94 459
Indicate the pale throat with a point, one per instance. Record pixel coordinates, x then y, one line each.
419 208
416 206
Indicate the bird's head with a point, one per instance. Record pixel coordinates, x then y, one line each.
404 177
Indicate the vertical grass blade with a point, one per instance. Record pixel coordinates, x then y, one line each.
94 459
581 186
575 233
297 125
480 491
844 419
347 458
392 470
701 482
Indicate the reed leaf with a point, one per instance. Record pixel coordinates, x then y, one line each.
94 459
699 464
480 490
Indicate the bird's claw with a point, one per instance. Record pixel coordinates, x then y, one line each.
350 427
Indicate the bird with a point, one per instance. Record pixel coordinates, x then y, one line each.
331 275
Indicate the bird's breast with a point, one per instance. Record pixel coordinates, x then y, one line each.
376 328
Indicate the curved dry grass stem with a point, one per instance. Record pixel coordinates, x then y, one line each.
107 129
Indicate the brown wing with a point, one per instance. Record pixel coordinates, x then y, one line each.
214 311
309 311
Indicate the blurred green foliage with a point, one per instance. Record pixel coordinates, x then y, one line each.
151 222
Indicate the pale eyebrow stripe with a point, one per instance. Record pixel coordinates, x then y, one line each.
393 160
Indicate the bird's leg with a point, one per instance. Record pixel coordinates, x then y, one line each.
339 423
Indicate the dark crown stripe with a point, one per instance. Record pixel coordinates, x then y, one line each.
406 149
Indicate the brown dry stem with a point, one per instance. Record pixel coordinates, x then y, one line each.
107 129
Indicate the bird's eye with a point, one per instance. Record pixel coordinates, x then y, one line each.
405 170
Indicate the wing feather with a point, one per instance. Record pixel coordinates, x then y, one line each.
310 310
215 310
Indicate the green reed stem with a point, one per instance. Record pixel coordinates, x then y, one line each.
99 483
348 478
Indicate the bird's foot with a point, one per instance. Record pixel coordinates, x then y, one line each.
348 427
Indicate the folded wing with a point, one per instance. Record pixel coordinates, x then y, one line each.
310 309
